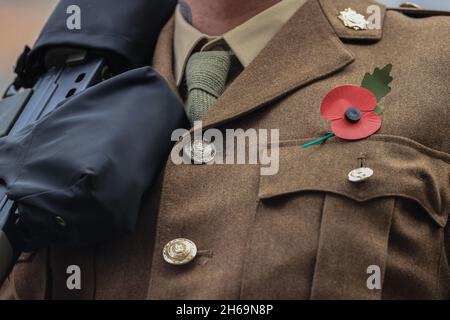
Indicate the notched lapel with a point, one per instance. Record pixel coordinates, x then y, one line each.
308 48
305 50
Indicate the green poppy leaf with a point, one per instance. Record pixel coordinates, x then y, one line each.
378 81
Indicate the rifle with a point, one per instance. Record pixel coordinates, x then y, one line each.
18 109
66 62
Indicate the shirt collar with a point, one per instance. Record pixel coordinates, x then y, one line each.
246 41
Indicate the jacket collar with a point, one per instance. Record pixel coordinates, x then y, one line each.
246 40
308 48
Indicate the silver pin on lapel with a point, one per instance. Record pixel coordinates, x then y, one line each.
353 19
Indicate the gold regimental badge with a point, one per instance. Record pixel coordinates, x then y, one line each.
353 19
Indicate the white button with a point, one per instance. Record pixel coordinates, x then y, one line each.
360 174
200 151
179 251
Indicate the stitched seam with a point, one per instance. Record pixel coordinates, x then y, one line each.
346 195
313 280
384 270
248 246
394 139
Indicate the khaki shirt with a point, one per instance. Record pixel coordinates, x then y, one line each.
246 41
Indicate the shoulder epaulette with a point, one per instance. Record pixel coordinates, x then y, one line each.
420 12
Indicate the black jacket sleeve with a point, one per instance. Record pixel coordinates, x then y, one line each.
90 161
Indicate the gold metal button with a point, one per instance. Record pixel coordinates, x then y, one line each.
179 251
360 174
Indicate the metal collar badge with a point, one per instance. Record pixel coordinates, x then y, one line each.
353 19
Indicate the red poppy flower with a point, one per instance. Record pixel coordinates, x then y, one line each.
351 112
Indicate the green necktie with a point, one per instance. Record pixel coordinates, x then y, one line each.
206 77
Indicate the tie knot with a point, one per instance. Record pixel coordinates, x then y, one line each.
208 71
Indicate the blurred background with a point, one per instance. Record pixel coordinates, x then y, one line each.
22 20
20 24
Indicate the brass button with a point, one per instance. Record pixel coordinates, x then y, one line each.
179 251
360 174
200 151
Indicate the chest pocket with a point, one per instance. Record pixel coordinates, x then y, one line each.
335 233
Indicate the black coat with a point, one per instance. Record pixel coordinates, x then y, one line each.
126 31
89 162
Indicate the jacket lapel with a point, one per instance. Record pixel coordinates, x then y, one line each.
306 49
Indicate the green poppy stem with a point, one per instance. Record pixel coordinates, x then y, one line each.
324 138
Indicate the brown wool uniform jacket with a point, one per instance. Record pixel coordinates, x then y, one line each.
306 232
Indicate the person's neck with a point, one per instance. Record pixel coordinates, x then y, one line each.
216 17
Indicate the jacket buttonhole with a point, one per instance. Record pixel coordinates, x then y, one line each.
205 253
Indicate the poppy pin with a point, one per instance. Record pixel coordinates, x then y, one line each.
355 111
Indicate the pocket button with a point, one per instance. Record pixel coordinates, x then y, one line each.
360 174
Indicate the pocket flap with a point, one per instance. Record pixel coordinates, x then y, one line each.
402 168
